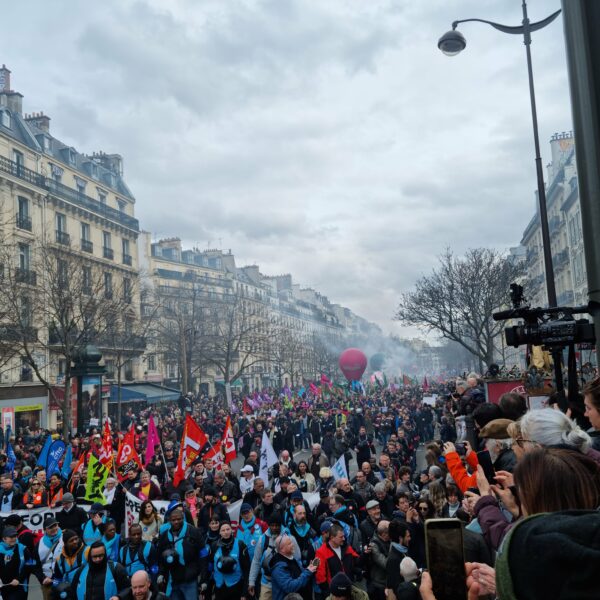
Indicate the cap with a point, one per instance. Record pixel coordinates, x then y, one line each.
340 585
13 520
69 534
49 522
245 508
326 526
496 429
246 469
97 508
372 504
9 532
68 497
296 495
175 496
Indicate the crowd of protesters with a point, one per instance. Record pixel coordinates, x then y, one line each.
531 528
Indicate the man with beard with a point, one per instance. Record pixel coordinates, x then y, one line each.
70 559
304 534
179 546
141 589
100 578
137 554
369 525
253 497
212 508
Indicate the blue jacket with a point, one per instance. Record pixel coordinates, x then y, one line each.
287 575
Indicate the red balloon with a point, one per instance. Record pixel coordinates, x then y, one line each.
353 363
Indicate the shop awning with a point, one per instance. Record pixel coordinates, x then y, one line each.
144 392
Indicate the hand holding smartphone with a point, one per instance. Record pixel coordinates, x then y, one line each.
445 558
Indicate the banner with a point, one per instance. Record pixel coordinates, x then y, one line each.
65 472
192 442
97 474
339 469
268 458
43 457
106 450
216 454
127 457
228 443
152 441
34 519
55 453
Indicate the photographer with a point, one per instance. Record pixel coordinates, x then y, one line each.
179 545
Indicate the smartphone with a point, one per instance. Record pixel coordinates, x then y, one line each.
446 558
461 449
316 562
485 460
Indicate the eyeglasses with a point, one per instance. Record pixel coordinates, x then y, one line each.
423 508
521 442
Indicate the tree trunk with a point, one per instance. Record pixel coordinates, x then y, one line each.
119 408
67 409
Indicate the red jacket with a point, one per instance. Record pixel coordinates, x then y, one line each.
463 480
331 565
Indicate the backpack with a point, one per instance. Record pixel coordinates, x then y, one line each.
352 534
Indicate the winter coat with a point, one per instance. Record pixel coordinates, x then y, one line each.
287 575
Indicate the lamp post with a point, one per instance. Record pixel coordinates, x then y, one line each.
452 43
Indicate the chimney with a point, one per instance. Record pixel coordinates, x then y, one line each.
40 120
12 100
112 162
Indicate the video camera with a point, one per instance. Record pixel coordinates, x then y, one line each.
550 327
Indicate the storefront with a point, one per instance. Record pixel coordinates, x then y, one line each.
24 406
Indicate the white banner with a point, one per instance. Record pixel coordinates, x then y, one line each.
34 518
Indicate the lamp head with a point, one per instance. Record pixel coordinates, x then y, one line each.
452 42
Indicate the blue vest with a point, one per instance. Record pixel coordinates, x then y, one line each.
228 579
68 571
91 533
136 561
110 586
250 536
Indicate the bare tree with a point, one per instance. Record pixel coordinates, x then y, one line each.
288 351
55 301
457 299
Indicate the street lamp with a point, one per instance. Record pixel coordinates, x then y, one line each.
452 43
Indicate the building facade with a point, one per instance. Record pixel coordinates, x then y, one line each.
66 219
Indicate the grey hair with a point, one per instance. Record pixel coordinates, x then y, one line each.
380 487
549 427
460 383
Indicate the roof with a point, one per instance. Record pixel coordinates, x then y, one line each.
149 392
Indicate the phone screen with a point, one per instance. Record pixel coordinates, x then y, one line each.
445 558
485 460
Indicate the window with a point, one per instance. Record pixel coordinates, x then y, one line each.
25 312
72 156
23 218
152 363
61 222
108 288
62 367
86 281
61 272
20 162
85 232
101 196
56 172
24 257
46 142
121 205
26 370
127 290
6 119
106 241
80 183
94 170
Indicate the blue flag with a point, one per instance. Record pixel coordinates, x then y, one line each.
55 453
43 457
66 468
7 436
12 459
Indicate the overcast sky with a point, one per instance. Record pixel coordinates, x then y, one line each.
326 138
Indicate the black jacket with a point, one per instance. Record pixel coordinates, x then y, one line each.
75 519
192 543
16 501
96 579
127 594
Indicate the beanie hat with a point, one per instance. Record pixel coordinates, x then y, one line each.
551 556
340 585
69 534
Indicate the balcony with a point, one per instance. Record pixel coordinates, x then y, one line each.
87 246
532 254
561 260
554 224
26 276
14 333
566 298
108 294
127 260
24 222
66 193
108 253
62 237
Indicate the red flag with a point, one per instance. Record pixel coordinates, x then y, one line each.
425 384
228 443
406 380
127 457
106 450
216 453
325 380
192 442
246 407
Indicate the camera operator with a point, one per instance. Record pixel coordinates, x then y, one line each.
178 548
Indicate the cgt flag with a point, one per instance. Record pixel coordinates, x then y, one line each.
96 480
127 457
106 450
228 443
192 442
215 452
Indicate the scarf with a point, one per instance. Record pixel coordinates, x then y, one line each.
400 547
49 542
246 526
7 550
301 529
